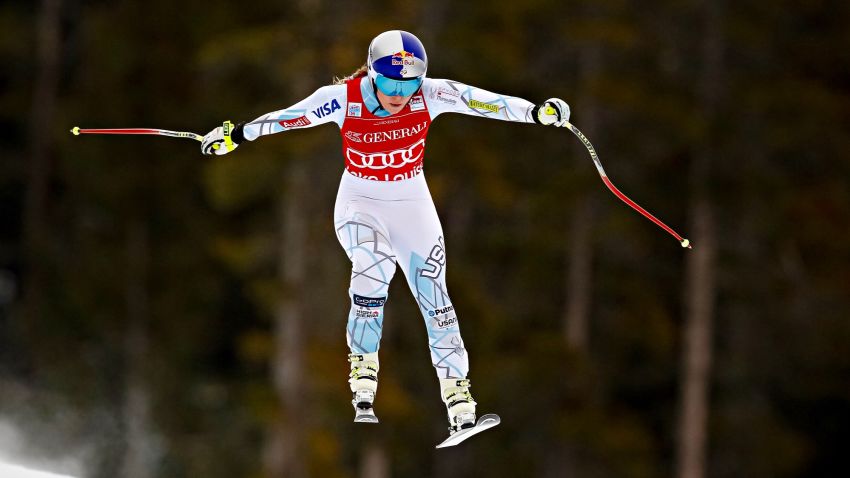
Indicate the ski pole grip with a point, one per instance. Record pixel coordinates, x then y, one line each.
227 128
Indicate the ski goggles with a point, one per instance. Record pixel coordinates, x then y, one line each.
391 87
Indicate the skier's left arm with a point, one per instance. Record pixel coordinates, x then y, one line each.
449 96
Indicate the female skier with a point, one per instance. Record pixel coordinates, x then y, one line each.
384 215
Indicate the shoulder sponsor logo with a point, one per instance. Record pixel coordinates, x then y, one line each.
445 95
475 104
351 135
369 301
446 99
355 109
295 123
327 109
416 103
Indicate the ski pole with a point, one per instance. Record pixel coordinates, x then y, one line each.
159 132
684 242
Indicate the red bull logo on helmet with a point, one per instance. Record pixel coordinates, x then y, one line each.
403 58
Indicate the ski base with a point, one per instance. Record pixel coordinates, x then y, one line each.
484 423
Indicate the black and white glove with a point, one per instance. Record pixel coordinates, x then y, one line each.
553 111
223 139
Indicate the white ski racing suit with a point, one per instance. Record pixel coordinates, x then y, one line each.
384 215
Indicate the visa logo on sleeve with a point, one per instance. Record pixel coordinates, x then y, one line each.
327 109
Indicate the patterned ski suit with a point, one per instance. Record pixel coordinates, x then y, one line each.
384 215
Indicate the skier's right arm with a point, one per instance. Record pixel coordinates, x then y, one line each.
325 105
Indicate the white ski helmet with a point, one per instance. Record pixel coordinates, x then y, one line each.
397 63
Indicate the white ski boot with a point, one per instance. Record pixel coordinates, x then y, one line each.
364 384
459 403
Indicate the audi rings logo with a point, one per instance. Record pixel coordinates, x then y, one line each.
391 159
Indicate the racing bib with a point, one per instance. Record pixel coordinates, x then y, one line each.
384 149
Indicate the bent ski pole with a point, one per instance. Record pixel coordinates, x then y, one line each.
684 242
158 132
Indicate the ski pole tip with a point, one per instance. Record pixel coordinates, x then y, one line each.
686 243
76 130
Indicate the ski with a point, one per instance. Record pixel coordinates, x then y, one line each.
485 422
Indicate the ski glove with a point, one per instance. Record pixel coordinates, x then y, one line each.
553 111
223 139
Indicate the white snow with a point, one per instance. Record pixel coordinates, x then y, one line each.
12 471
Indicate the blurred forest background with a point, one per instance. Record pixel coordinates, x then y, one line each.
165 314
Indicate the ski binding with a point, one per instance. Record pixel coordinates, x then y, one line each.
363 411
365 415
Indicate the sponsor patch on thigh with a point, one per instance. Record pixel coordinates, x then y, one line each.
362 301
443 317
366 313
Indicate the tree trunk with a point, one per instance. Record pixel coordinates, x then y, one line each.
285 455
374 462
697 345
140 446
579 277
700 267
580 251
562 460
40 136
